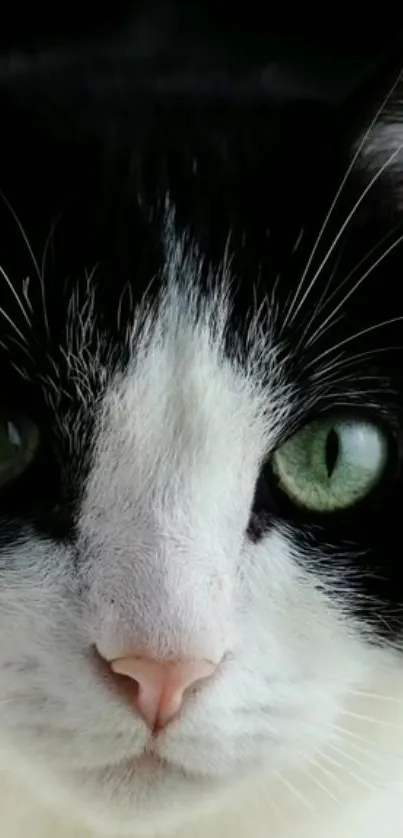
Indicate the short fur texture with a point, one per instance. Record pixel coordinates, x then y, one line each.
185 281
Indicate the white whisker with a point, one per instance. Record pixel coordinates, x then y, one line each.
25 293
13 325
342 363
357 737
355 336
356 268
352 290
15 295
334 203
20 370
362 717
298 241
346 769
365 752
378 696
321 786
346 755
322 303
33 258
294 792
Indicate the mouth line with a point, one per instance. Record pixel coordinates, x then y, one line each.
150 761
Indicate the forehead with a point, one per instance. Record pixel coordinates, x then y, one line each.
83 234
161 312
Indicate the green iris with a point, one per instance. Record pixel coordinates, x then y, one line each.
19 440
331 463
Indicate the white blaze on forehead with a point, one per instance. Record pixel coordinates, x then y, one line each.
177 453
185 414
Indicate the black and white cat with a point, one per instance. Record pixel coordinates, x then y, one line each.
201 429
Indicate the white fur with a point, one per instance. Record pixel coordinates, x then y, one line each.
301 731
354 788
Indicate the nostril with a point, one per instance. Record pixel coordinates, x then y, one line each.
157 690
128 687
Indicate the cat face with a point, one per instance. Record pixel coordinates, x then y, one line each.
200 443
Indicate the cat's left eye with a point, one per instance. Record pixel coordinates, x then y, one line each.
19 440
332 463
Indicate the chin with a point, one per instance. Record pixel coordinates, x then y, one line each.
145 795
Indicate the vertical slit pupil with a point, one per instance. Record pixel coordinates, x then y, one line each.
332 451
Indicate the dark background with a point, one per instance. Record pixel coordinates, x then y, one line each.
320 52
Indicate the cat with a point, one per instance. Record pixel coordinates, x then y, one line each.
201 431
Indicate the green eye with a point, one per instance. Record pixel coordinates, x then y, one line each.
19 440
332 463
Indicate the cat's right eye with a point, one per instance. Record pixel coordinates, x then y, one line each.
331 463
19 441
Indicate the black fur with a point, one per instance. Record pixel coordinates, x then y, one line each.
93 139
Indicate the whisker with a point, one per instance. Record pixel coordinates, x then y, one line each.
25 292
357 737
350 215
325 789
322 371
355 336
322 768
22 231
365 752
362 717
32 255
89 275
20 370
351 773
11 339
294 792
341 362
322 303
359 282
392 698
298 241
334 203
13 325
344 753
15 295
356 267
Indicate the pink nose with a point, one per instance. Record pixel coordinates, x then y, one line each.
161 686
